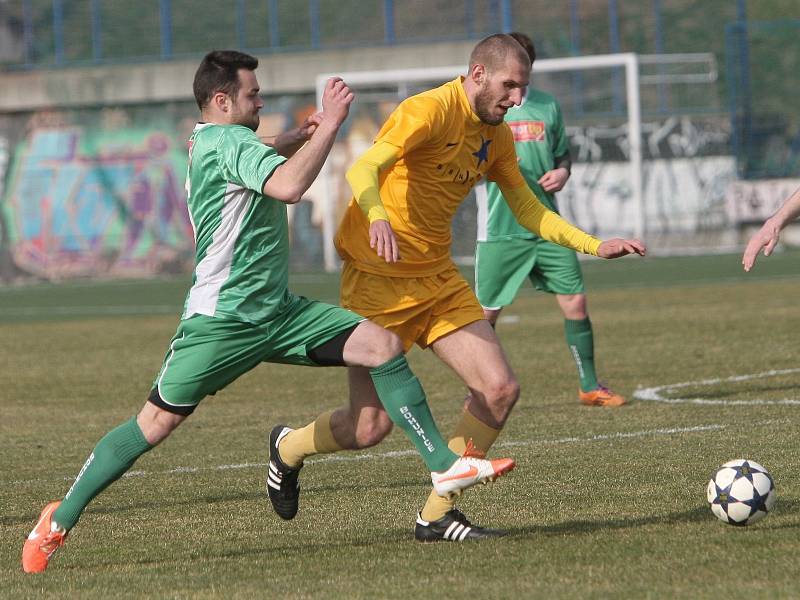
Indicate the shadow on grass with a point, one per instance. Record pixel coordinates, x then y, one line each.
397 535
257 494
699 514
394 535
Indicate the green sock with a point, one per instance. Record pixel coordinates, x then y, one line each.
114 454
580 341
404 400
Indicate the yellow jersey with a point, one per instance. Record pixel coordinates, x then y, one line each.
444 149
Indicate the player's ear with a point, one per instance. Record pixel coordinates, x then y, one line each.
478 73
221 101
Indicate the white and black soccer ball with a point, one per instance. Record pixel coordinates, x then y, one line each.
741 492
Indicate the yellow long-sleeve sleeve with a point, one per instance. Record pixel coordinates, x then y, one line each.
536 217
364 179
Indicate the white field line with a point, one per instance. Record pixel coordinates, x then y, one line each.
657 394
342 457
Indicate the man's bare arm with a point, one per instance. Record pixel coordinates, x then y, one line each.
291 179
767 237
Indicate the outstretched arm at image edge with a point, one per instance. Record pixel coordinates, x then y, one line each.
767 237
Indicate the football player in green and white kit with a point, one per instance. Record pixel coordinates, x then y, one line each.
507 253
239 311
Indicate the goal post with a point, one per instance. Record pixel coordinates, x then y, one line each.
404 82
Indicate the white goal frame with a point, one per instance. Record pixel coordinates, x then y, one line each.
630 62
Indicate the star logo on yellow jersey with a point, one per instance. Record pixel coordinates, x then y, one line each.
482 154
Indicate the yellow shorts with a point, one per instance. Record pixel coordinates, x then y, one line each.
418 309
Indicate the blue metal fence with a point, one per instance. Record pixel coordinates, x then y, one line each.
57 33
764 117
762 61
60 32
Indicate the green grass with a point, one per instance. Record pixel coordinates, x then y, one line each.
603 504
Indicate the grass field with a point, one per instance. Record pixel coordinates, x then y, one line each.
603 504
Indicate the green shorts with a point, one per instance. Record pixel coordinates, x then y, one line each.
501 267
208 353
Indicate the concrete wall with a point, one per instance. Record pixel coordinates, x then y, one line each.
169 81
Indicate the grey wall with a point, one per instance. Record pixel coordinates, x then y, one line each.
168 81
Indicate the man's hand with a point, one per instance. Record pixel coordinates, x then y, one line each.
553 181
766 238
619 247
289 142
309 126
382 239
336 100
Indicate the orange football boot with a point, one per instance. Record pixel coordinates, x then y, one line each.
42 541
602 396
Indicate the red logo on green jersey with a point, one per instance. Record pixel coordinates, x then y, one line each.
527 131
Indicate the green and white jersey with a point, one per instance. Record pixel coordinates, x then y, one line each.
241 236
539 137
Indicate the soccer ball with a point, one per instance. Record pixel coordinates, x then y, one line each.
741 492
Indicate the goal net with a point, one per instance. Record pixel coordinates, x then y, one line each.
661 178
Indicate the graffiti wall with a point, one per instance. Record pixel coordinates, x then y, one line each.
100 193
681 195
687 170
81 203
97 193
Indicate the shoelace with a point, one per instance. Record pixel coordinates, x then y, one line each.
472 452
289 477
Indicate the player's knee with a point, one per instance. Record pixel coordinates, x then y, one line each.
491 315
156 424
573 306
388 346
370 432
502 393
371 346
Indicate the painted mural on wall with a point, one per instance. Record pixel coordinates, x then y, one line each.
103 198
687 170
100 193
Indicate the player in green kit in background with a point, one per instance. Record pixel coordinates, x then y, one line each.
239 311
507 253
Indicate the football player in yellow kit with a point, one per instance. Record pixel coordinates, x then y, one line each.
398 271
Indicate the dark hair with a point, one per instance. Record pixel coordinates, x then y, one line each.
219 72
526 43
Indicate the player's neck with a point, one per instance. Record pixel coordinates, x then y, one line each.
214 118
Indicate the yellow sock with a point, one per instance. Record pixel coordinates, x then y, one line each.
483 436
314 438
